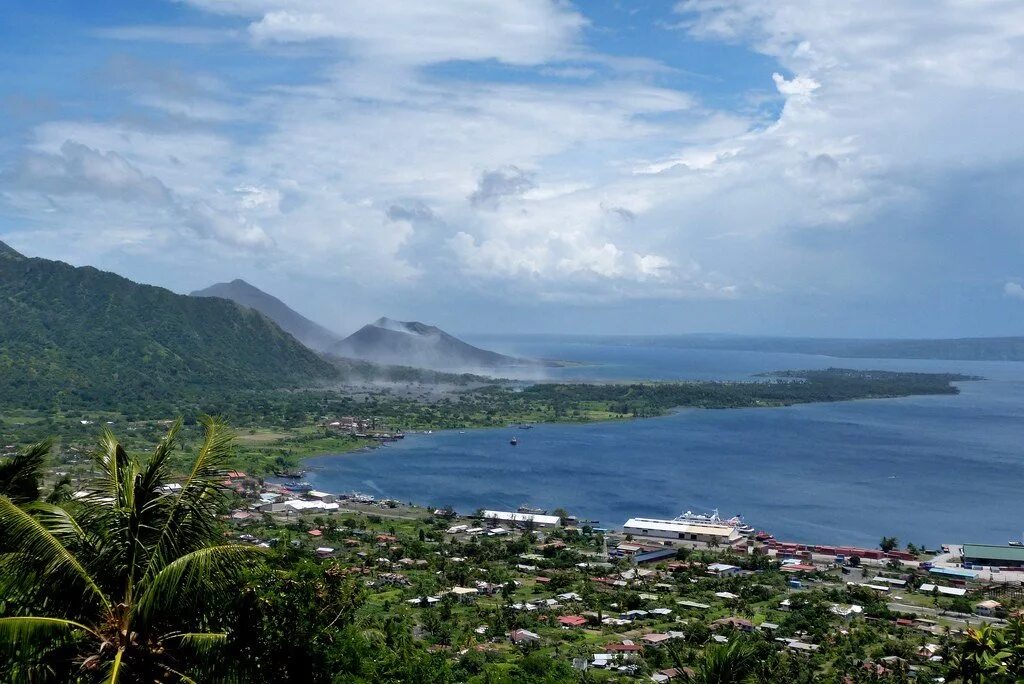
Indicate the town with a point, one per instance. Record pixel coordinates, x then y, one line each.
636 603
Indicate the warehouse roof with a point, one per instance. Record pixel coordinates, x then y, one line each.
994 552
678 526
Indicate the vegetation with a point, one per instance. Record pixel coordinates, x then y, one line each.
76 337
117 583
133 582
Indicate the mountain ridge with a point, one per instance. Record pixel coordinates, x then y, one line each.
309 333
412 343
82 336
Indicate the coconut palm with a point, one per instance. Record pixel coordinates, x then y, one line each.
116 585
732 663
19 476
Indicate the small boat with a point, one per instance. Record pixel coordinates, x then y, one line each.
533 511
513 441
1014 542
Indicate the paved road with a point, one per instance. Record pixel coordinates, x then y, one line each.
958 618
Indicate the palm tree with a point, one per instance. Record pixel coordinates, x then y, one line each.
19 477
731 663
116 584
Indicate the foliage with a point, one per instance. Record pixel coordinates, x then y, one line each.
76 337
117 583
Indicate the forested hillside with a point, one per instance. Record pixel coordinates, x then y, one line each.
79 336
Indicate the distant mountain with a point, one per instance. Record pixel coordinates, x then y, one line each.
415 344
79 336
957 349
301 328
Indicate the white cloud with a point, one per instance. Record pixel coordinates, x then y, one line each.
522 32
609 184
1013 290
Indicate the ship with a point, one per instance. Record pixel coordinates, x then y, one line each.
714 519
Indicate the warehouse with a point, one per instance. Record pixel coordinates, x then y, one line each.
522 518
994 555
683 530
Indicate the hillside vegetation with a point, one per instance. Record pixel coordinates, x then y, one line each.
83 337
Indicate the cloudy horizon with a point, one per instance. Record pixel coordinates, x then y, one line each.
782 168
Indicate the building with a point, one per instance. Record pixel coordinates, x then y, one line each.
988 608
994 555
522 518
724 569
654 556
706 532
523 636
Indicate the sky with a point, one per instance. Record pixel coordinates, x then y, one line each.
789 167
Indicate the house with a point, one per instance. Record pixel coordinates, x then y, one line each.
672 673
320 496
846 612
655 640
724 570
324 552
464 594
572 620
315 533
988 608
727 595
733 623
693 605
523 636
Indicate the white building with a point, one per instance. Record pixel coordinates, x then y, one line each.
683 530
522 518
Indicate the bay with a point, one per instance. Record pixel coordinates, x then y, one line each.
929 470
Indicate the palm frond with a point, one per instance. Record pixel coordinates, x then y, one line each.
19 477
200 643
19 630
189 580
190 519
41 555
156 472
114 675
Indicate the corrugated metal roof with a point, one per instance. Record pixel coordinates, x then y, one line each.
678 526
994 552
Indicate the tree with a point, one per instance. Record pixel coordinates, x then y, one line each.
889 544
731 663
116 583
19 477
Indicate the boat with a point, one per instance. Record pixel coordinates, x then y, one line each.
513 441
1014 542
300 487
524 426
532 511
714 519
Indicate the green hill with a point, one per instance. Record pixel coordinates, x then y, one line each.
79 336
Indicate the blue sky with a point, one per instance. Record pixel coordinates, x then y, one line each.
533 165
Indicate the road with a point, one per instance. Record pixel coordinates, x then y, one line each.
957 618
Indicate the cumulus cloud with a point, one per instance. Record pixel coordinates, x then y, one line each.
509 181
547 169
1014 290
79 169
523 32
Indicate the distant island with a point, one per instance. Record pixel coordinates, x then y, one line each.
953 349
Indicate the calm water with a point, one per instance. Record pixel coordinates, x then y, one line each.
926 469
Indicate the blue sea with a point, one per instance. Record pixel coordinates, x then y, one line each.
928 470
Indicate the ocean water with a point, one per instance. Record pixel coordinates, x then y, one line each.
928 470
